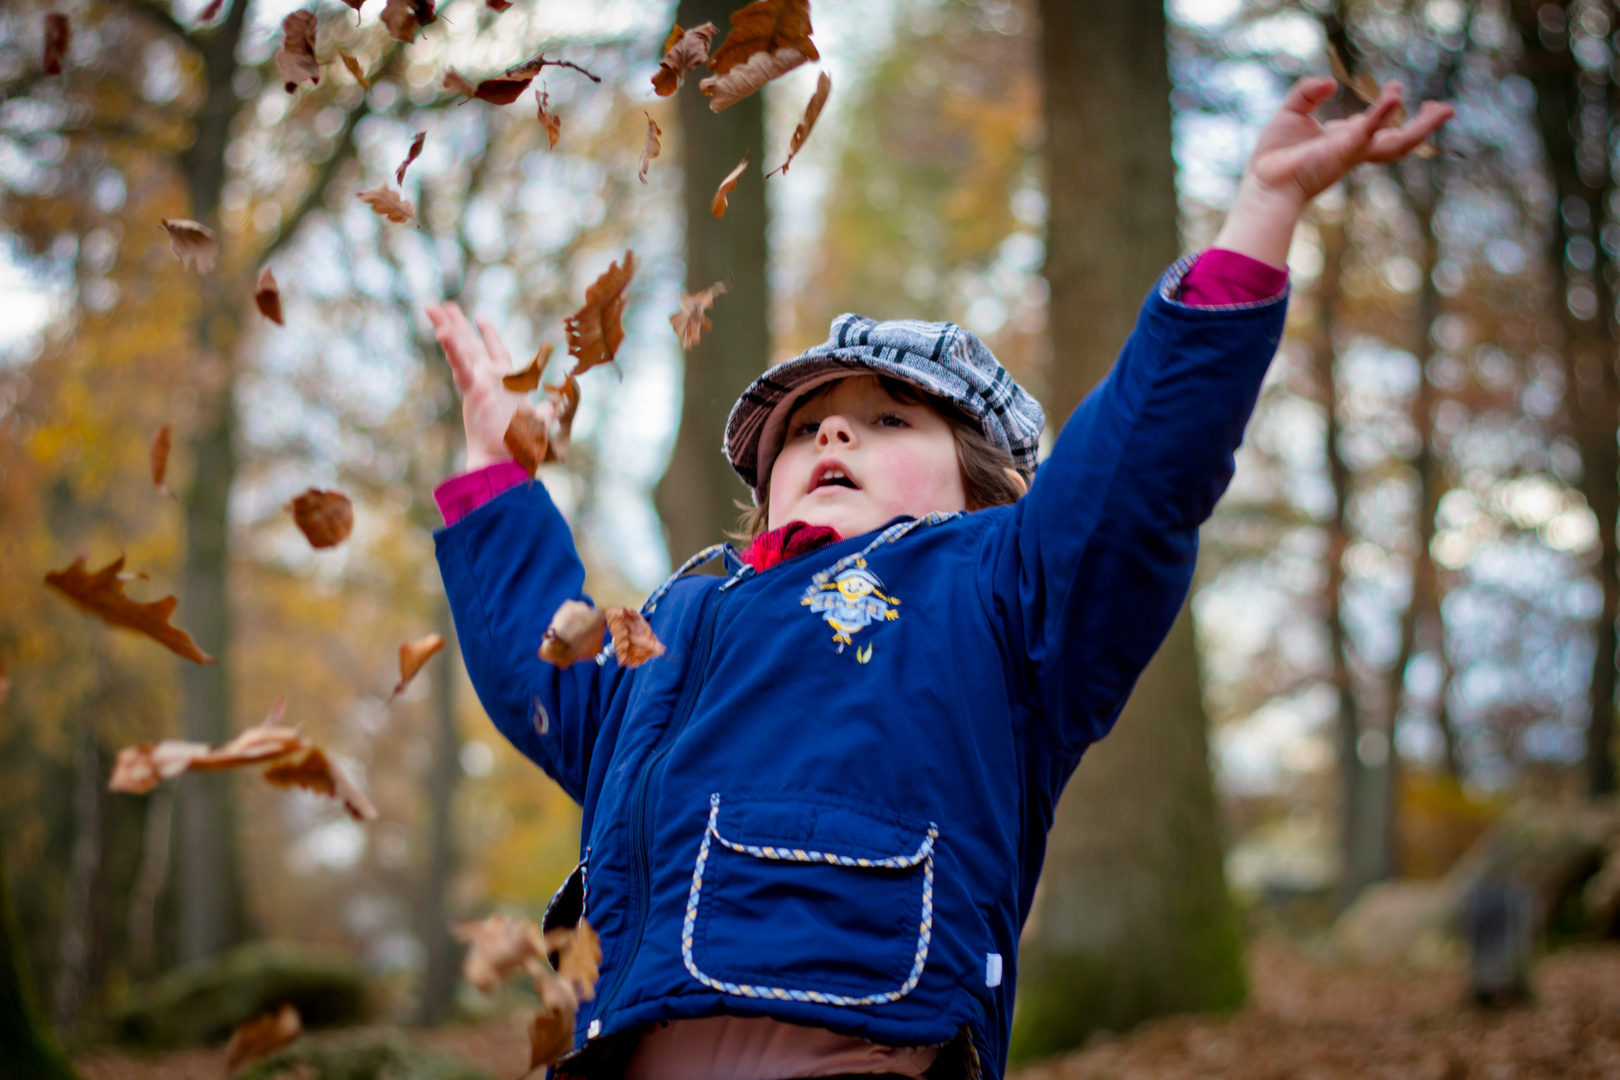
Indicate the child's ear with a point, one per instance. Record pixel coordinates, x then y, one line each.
1018 480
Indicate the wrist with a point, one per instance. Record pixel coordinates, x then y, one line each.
1261 220
483 459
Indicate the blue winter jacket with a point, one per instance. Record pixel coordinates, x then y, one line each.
828 802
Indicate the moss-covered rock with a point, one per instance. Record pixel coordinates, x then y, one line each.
366 1055
204 1002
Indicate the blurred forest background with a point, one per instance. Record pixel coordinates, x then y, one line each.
1404 626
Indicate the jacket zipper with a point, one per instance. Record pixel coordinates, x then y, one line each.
641 871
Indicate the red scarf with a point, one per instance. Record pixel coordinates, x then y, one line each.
791 540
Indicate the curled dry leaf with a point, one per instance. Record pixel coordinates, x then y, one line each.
566 400
551 1033
596 330
267 294
457 83
410 155
575 634
768 38
548 119
404 17
580 961
528 380
651 147
310 768
356 69
139 769
388 202
506 87
807 123
526 440
498 948
412 655
691 321
296 57
324 517
634 642
1368 89
158 456
262 1036
684 50
727 186
58 37
194 243
101 593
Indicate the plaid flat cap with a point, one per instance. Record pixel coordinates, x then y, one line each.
938 357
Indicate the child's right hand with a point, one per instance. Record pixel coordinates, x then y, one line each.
478 361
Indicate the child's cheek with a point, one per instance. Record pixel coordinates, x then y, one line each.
918 479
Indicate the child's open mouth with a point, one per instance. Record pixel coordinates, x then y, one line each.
831 474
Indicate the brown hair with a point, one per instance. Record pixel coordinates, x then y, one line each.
984 477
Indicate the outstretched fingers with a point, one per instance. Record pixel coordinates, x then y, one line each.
1308 93
493 346
1391 144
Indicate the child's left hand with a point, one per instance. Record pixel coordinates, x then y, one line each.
1298 157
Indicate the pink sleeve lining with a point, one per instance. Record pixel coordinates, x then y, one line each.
461 495
1224 277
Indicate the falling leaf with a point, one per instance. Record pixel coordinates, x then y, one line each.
264 741
1369 90
355 4
101 593
807 122
566 400
684 50
410 155
581 961
388 202
139 769
768 38
596 330
310 768
508 86
296 57
158 456
324 517
356 69
456 82
498 6
650 149
634 642
527 380
499 947
267 294
727 186
210 12
58 36
412 655
404 17
262 1036
551 1033
691 321
575 634
194 243
526 440
549 119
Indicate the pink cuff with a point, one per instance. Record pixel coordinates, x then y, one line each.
1225 277
461 495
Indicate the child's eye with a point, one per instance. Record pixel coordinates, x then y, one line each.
808 427
890 420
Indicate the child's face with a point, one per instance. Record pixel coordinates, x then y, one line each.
893 459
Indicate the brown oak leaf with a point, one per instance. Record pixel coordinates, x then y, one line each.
412 655
410 155
310 768
262 1036
296 57
101 593
768 38
650 149
692 320
158 457
549 120
526 440
499 946
264 741
807 123
356 69
566 400
527 380
324 517
727 186
139 769
596 330
195 244
388 202
551 1033
580 961
58 37
634 642
684 51
575 634
267 294
404 17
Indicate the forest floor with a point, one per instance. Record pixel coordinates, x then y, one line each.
1306 1020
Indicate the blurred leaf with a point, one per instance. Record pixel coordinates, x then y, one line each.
324 517
528 379
158 457
410 155
195 244
650 148
727 186
807 123
634 642
262 1036
58 38
388 202
101 593
768 39
296 57
412 655
691 321
526 439
549 119
267 294
311 769
596 330
684 50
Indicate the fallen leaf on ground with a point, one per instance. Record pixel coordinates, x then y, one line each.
194 243
768 38
684 50
356 69
1368 89
727 186
267 294
691 321
651 147
499 947
596 330
807 123
526 440
412 655
575 634
296 57
566 400
410 155
101 593
158 457
311 769
527 380
324 517
580 961
262 1036
388 202
210 12
549 120
58 37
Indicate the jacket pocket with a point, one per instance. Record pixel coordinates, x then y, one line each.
806 901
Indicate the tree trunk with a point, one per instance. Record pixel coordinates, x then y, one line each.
698 495
1135 919
78 921
433 923
29 1050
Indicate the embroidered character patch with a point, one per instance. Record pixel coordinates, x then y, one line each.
850 603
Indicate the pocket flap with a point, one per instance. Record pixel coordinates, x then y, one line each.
804 831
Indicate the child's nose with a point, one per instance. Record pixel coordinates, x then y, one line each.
835 430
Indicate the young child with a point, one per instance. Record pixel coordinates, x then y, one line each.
813 828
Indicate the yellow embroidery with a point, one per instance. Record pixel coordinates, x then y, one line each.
850 603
